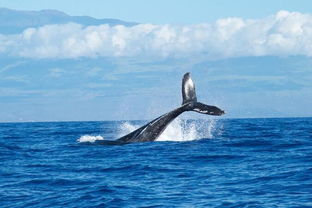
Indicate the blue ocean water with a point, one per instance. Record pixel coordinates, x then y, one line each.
219 163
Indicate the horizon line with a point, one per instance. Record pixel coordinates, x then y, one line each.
135 120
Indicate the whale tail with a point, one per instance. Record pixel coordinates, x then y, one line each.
190 100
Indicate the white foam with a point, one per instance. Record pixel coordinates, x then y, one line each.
89 138
126 128
180 130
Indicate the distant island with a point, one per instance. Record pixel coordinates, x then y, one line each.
15 21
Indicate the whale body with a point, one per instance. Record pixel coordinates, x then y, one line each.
152 130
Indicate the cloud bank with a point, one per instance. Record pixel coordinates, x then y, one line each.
282 34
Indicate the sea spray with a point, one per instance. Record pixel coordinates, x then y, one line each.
179 130
126 128
188 130
89 138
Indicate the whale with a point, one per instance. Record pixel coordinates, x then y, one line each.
152 130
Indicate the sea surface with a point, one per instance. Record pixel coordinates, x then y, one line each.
195 163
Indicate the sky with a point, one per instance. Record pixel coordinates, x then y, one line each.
163 11
250 60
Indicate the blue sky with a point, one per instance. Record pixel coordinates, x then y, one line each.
162 11
251 60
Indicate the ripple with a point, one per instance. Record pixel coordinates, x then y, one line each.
250 163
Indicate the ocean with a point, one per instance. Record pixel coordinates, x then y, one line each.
195 163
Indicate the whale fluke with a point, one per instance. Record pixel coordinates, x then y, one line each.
190 99
153 129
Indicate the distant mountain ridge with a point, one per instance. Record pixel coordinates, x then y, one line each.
15 21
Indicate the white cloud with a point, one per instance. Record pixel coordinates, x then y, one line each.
285 33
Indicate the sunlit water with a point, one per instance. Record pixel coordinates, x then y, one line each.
202 163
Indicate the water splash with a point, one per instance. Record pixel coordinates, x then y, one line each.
188 130
180 130
89 138
126 128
